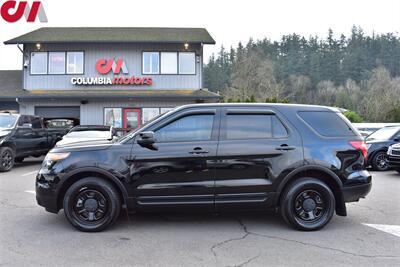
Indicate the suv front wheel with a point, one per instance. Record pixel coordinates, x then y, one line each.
6 159
92 204
307 204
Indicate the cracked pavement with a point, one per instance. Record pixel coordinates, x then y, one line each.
29 235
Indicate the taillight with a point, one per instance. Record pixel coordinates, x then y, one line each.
360 146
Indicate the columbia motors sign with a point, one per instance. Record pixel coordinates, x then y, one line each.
13 11
118 68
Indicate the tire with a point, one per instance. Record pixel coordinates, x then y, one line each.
6 159
19 159
92 204
379 162
307 204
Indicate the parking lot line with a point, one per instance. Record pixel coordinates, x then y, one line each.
391 229
30 192
29 173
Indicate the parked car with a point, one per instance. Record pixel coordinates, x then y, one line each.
366 129
378 144
22 136
87 133
303 161
393 157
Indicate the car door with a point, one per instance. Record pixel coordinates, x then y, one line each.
23 136
180 174
39 139
256 148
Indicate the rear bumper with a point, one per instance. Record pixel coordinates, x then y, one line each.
358 186
355 192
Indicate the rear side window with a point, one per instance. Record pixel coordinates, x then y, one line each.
256 126
327 123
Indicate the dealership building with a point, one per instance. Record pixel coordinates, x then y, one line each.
112 76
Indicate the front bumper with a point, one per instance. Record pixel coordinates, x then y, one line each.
46 193
394 162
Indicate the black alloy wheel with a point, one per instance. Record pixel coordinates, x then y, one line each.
92 204
379 162
6 159
307 204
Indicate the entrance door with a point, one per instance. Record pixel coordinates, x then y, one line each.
132 118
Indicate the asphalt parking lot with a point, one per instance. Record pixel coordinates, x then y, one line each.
368 236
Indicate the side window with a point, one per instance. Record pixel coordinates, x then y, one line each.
327 123
24 119
189 128
278 129
257 126
36 123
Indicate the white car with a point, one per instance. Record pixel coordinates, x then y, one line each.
393 157
87 133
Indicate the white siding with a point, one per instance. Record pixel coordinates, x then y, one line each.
132 55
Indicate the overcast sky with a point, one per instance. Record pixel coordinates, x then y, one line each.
227 21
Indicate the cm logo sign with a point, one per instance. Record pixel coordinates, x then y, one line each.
12 11
105 66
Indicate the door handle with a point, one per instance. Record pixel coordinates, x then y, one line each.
285 147
198 151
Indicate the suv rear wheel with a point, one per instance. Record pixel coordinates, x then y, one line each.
307 204
6 159
92 204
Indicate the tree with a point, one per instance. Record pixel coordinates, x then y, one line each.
359 73
353 116
253 76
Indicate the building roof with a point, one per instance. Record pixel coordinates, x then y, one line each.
11 88
114 35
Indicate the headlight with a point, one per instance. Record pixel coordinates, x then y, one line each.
368 146
56 156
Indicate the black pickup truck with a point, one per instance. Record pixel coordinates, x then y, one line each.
22 136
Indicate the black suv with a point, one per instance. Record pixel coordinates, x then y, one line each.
303 161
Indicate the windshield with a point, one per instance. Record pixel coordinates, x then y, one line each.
7 121
384 134
89 134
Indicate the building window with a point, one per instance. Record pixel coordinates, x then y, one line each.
113 117
151 63
149 113
75 62
39 63
187 63
169 63
56 62
165 110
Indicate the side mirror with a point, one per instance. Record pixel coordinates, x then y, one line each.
25 126
147 140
